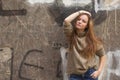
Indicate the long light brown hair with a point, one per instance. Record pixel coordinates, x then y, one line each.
91 40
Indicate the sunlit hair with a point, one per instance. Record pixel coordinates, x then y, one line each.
91 40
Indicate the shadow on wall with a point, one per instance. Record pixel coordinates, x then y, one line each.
59 12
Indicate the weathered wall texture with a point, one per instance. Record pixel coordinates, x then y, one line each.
31 36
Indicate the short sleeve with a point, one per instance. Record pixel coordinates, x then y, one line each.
100 50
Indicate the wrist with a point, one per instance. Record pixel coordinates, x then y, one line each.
99 71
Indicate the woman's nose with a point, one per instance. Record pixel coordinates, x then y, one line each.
79 21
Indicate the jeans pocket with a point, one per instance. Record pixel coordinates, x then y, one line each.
87 75
89 72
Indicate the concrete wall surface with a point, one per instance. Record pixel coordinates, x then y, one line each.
31 36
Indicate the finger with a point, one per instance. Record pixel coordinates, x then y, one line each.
92 74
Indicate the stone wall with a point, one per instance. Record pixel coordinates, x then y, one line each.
31 36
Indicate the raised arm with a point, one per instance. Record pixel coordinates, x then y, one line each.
74 15
71 17
68 28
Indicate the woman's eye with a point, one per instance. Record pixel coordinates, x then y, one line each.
84 21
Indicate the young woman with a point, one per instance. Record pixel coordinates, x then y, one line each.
86 55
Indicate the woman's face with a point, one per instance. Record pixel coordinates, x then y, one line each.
82 22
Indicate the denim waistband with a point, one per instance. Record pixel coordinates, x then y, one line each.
88 72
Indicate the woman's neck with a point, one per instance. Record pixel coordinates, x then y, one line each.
81 33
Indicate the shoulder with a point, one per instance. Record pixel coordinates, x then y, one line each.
100 51
67 24
68 29
99 45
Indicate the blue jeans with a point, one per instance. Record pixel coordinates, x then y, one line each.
85 76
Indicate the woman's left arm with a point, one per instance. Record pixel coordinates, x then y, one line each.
102 64
102 60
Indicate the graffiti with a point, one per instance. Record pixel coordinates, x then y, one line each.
29 65
58 70
61 11
57 45
11 12
40 1
33 63
112 57
108 4
112 68
6 63
11 76
63 52
113 65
